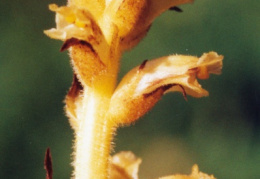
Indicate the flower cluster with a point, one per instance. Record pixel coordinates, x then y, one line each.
96 33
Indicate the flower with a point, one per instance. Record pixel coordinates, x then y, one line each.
101 30
144 85
94 21
73 22
124 165
195 174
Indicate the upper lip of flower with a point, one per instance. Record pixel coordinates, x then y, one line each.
72 23
132 19
174 68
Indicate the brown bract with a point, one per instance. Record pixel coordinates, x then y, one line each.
48 164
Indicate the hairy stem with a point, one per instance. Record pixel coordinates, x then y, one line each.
93 138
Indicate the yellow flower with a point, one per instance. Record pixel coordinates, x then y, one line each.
143 86
87 19
195 174
124 165
72 23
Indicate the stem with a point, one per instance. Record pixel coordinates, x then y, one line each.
94 131
93 139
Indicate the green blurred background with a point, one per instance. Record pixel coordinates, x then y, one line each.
221 133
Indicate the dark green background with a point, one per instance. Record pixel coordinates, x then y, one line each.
220 133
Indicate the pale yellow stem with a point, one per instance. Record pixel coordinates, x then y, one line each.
94 135
93 138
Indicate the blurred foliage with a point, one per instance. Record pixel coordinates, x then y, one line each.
220 133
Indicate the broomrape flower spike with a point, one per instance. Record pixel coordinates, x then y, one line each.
96 33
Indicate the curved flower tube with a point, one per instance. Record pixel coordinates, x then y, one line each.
143 86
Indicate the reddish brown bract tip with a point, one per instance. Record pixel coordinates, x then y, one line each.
48 164
73 41
175 8
142 65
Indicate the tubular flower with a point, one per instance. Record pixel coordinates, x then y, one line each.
143 86
94 20
96 33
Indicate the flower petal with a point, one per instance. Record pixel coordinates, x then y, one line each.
73 22
195 174
95 7
124 165
143 86
135 18
158 7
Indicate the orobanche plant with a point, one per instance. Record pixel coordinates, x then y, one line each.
96 33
